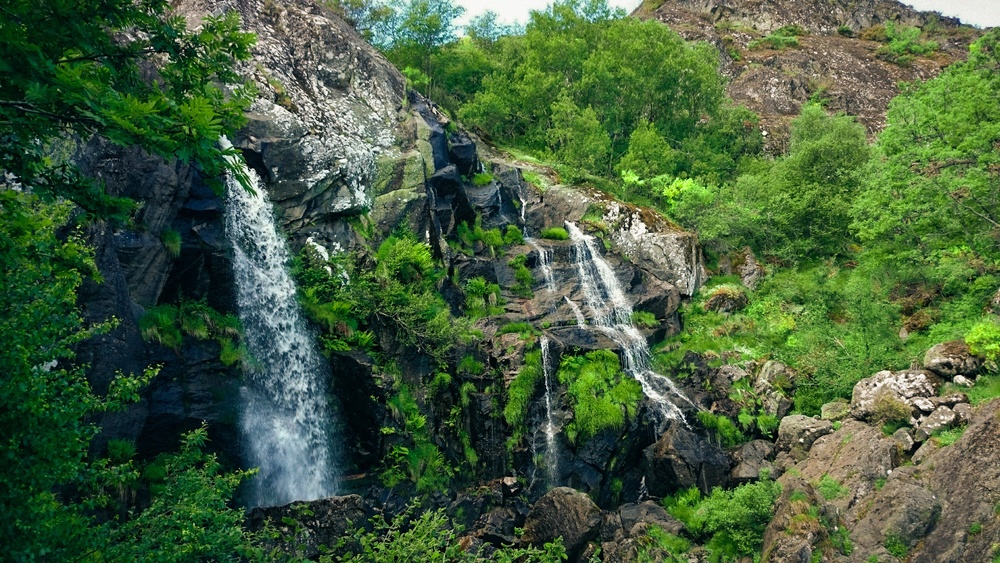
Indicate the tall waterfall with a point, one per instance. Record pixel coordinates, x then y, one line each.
613 316
285 419
551 451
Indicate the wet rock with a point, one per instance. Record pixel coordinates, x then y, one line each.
463 154
952 358
750 459
681 459
901 386
837 410
942 418
799 432
565 513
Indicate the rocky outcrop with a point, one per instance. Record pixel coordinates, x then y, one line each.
321 524
565 513
681 459
830 64
875 395
952 358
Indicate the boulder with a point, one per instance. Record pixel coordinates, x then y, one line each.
941 418
750 459
727 299
566 513
963 413
773 382
837 410
872 393
904 439
462 152
748 268
799 432
648 512
952 358
681 459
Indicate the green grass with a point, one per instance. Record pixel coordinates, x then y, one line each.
532 178
482 179
554 233
522 389
171 240
644 319
725 431
830 488
601 396
949 436
524 328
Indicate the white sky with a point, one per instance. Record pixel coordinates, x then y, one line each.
983 13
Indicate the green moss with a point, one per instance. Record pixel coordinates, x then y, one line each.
522 276
554 233
522 389
830 488
482 179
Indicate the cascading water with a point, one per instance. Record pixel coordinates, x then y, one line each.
551 453
544 262
613 316
285 420
580 319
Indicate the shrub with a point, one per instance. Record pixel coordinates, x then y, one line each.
896 546
903 43
984 339
555 233
781 38
482 299
513 236
644 319
601 395
845 30
522 276
830 488
171 241
725 431
888 409
482 179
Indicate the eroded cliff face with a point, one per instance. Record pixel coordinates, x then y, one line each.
832 64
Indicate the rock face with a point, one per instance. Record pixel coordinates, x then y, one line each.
324 522
681 459
904 387
841 70
800 432
565 513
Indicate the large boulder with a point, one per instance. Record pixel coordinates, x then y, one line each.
566 513
799 431
681 459
750 459
952 358
872 394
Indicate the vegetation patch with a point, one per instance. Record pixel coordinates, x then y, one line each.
554 233
782 38
600 394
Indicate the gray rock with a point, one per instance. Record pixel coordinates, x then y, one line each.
563 512
837 410
963 381
952 358
941 418
750 459
904 439
681 459
902 386
924 451
963 413
774 381
647 512
324 524
799 432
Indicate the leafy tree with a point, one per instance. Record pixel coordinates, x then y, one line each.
66 68
649 154
420 28
577 138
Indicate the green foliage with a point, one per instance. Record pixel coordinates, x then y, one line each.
86 76
903 43
554 233
171 241
779 39
600 394
430 536
521 390
422 462
167 325
523 277
984 339
525 329
730 522
645 319
722 427
482 179
896 546
661 546
987 387
189 517
577 137
513 236
830 488
947 437
482 299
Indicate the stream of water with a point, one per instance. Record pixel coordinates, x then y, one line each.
612 315
285 421
551 451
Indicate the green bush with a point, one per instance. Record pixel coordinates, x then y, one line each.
522 389
482 179
554 233
522 276
830 488
482 299
171 241
644 319
984 339
724 429
513 236
600 394
903 43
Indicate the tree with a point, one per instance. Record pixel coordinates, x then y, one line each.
66 70
125 70
577 138
421 28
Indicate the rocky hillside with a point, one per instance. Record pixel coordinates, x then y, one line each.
836 60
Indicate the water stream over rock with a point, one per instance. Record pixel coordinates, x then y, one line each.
285 421
551 452
612 315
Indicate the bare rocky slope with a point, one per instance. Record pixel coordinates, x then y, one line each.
835 62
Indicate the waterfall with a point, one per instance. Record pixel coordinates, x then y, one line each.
285 420
580 319
544 262
612 315
551 453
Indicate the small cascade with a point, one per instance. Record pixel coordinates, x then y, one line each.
580 319
285 419
551 451
544 262
612 314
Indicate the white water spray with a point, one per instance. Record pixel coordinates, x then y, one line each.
580 319
285 419
612 315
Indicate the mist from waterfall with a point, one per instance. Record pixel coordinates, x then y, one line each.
612 315
285 422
